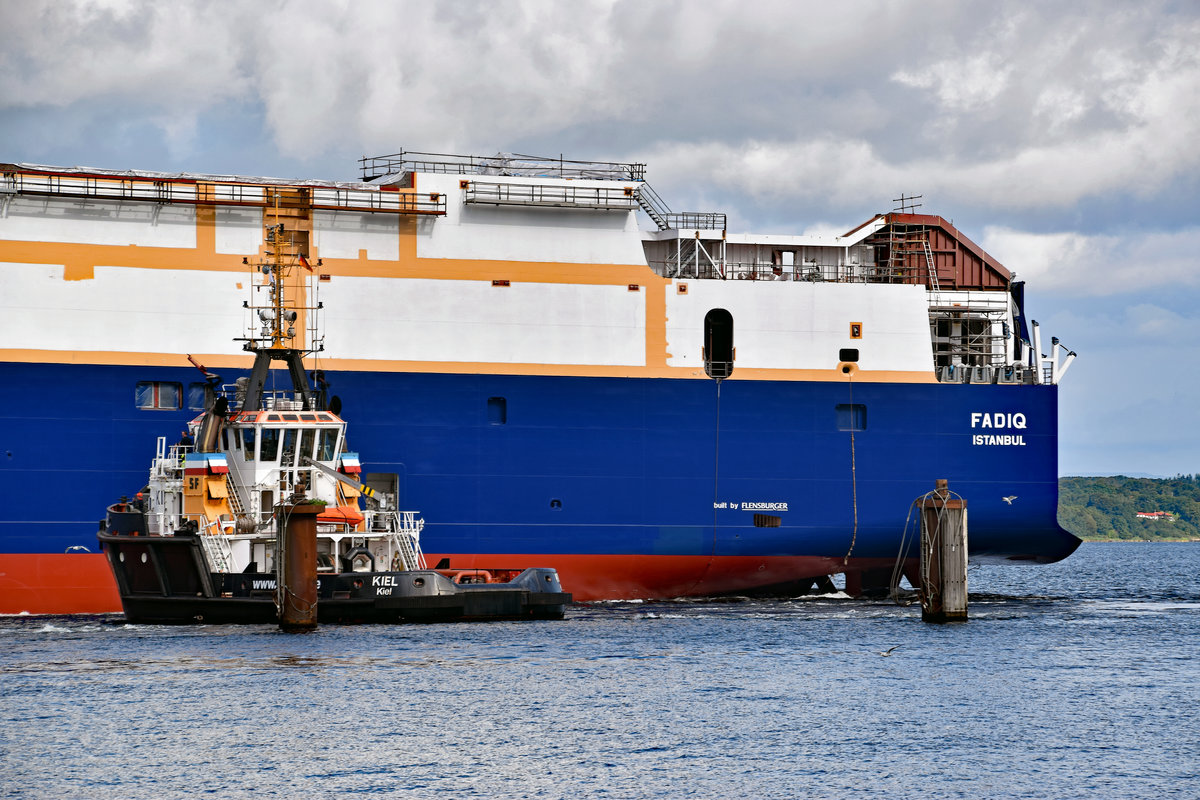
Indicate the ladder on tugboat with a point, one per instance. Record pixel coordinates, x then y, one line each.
216 548
235 501
406 538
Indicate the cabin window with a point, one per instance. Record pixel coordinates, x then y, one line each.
848 354
289 447
269 450
718 343
162 395
199 396
497 411
327 450
307 438
248 437
851 417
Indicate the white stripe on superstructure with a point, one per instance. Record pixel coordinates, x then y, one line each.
473 321
120 309
801 325
92 221
480 232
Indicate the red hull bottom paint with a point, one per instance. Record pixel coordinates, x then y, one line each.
57 583
631 577
83 583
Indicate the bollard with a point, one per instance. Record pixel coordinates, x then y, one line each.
943 555
296 567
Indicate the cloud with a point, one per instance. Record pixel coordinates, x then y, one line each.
1097 265
164 56
961 85
1036 109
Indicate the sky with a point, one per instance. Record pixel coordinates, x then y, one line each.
1063 137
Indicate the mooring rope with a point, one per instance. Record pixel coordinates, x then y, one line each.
906 543
853 473
905 546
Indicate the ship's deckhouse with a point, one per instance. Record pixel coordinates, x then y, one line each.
270 450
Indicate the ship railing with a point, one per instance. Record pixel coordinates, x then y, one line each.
723 269
273 399
718 369
433 204
198 190
694 220
997 372
665 219
163 523
281 401
401 529
168 460
405 528
374 167
972 302
718 269
550 195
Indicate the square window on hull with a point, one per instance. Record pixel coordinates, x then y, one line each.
198 396
159 395
851 417
497 408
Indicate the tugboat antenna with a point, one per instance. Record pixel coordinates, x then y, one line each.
272 328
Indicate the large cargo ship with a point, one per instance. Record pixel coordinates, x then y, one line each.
670 411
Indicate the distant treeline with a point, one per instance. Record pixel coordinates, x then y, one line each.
1106 509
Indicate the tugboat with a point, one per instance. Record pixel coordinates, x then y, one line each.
204 541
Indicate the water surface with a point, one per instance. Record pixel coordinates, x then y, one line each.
1078 679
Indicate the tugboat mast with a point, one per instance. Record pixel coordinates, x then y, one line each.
272 328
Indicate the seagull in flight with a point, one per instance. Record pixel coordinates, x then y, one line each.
1009 499
888 652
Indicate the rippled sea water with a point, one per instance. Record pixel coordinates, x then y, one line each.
1080 679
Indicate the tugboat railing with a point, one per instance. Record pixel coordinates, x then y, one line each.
216 547
406 538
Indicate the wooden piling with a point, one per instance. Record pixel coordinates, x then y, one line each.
943 555
296 567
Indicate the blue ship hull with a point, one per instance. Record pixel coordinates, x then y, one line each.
581 467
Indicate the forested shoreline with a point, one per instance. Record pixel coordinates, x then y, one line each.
1106 509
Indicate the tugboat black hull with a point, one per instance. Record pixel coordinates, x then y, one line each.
165 580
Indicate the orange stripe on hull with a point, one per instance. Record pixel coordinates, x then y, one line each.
57 583
78 583
630 577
